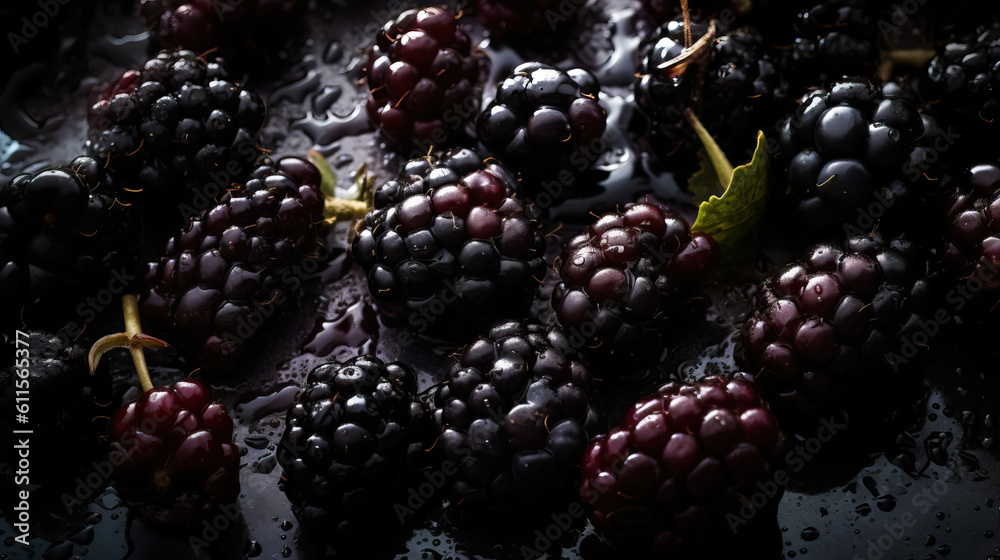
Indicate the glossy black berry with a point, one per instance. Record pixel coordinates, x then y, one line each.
451 243
515 415
547 126
352 439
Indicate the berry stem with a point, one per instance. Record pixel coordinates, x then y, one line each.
723 168
335 208
687 23
132 338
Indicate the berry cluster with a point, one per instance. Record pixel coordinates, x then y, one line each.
425 78
630 272
352 436
222 275
62 237
450 241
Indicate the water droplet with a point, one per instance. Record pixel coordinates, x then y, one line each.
333 53
944 550
886 502
809 534
286 552
286 525
863 509
254 550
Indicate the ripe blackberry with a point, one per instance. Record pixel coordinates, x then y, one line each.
541 20
173 454
62 238
855 147
546 125
972 242
425 77
665 478
247 31
514 416
822 327
963 82
735 91
826 41
64 400
630 272
173 127
222 276
450 244
351 439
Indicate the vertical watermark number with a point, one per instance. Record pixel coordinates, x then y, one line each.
22 437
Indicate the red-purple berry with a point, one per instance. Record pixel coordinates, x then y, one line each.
664 479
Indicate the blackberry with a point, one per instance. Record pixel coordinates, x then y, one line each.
541 20
822 327
546 125
629 273
222 277
664 479
425 78
735 91
173 454
450 244
249 31
62 238
826 41
65 402
514 415
972 242
174 128
857 147
963 82
353 435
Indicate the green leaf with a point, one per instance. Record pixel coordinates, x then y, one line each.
705 182
328 182
733 218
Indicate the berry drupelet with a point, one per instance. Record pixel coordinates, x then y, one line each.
352 439
62 238
628 273
450 243
174 127
172 449
822 327
425 78
547 126
664 479
221 277
853 147
514 415
246 32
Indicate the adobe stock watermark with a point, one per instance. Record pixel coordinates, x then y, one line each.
32 25
925 501
958 298
795 460
902 12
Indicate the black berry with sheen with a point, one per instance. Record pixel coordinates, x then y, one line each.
630 273
351 439
223 276
515 415
62 238
547 126
825 327
425 78
451 244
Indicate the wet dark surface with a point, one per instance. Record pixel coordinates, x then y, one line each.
919 484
